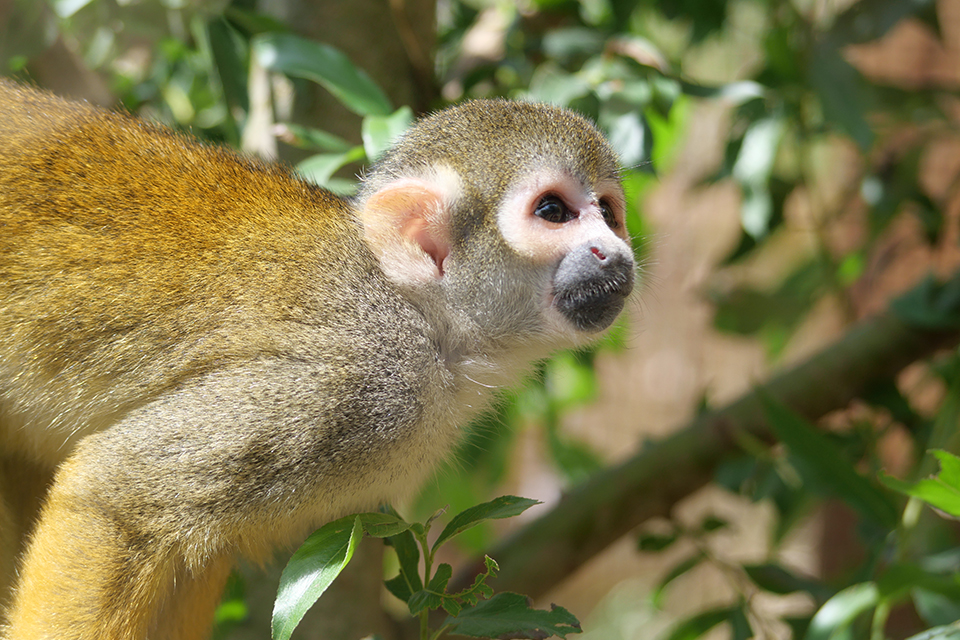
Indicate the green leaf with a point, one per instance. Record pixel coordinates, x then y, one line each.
821 463
66 8
942 491
870 19
552 84
311 570
667 132
652 542
841 610
935 608
740 628
570 380
697 625
441 577
399 587
734 93
564 44
656 596
948 632
754 163
631 138
776 579
380 132
320 168
843 92
502 507
229 55
408 581
302 58
898 580
510 613
309 138
713 523
383 525
933 305
433 597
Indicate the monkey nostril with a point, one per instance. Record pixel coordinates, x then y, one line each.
600 254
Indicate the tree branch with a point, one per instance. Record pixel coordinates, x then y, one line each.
614 501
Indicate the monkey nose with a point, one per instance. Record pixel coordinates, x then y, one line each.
592 283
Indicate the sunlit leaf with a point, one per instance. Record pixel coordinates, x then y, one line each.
841 610
302 58
380 132
942 491
502 507
312 569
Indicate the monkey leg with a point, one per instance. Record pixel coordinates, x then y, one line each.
88 574
22 486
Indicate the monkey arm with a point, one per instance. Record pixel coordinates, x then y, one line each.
144 519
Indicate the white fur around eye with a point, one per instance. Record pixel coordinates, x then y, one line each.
544 241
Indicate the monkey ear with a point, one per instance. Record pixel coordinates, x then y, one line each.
406 223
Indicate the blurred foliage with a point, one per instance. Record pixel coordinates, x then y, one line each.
795 103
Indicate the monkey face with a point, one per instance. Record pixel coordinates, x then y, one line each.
558 219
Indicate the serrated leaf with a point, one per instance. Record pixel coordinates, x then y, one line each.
441 577
510 613
399 588
841 610
942 491
302 58
380 132
822 463
423 599
383 525
312 569
408 555
502 507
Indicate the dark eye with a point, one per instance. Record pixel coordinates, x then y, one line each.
553 209
608 215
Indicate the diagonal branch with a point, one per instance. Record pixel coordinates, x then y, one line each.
614 501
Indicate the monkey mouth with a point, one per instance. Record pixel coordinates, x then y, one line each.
591 285
593 306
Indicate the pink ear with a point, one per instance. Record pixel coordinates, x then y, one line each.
406 224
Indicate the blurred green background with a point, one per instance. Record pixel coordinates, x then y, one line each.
792 174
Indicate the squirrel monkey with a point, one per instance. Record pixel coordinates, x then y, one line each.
202 355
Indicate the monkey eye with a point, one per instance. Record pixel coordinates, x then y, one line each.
608 216
553 209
